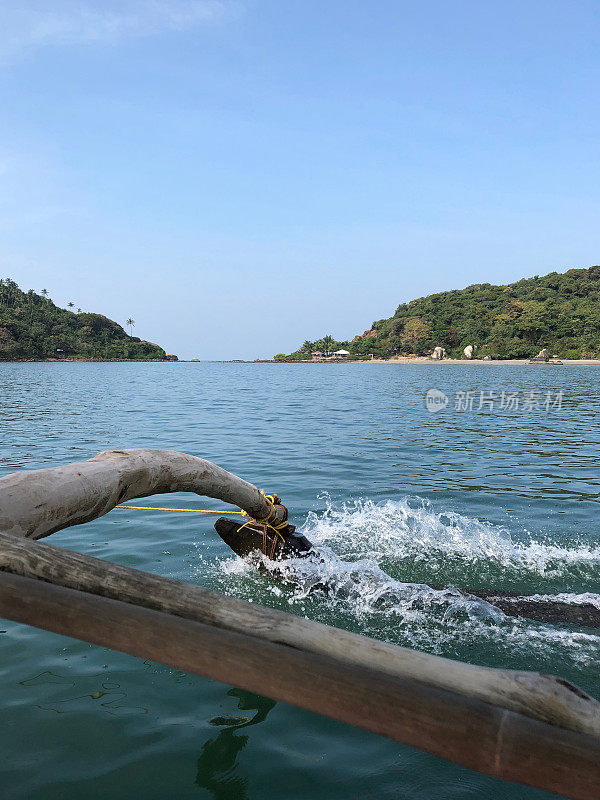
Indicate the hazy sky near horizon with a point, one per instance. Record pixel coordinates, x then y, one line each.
241 176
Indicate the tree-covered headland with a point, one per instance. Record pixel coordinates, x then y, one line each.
32 327
559 311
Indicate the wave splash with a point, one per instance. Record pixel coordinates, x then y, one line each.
363 578
410 531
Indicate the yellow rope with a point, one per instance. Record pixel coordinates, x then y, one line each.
188 510
210 511
266 524
269 520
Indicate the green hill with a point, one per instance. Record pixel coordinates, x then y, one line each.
560 311
33 328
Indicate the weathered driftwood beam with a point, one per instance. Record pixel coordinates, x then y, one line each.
538 696
38 503
478 735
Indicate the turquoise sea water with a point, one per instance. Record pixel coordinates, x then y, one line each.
484 497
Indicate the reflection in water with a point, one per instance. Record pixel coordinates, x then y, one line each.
217 762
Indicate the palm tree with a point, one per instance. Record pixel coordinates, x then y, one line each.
79 311
70 305
131 325
328 344
45 292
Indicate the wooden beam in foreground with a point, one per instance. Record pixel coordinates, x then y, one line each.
470 732
542 697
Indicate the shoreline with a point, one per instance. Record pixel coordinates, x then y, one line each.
424 360
89 361
579 362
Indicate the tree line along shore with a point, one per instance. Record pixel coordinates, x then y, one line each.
559 312
33 328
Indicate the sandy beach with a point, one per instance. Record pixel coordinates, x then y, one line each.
576 362
579 362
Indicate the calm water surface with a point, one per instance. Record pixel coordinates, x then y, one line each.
486 497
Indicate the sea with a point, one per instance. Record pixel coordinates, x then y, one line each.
404 477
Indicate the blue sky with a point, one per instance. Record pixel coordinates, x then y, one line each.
241 176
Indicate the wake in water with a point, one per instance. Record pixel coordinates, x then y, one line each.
454 549
368 556
367 588
411 536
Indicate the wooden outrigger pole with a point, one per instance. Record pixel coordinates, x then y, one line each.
526 727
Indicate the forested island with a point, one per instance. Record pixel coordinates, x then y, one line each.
33 328
559 311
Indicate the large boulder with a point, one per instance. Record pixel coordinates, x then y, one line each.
543 355
469 351
439 353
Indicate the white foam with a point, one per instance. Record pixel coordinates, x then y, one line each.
410 529
569 598
347 586
367 589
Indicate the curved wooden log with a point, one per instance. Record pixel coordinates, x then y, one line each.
40 502
542 697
